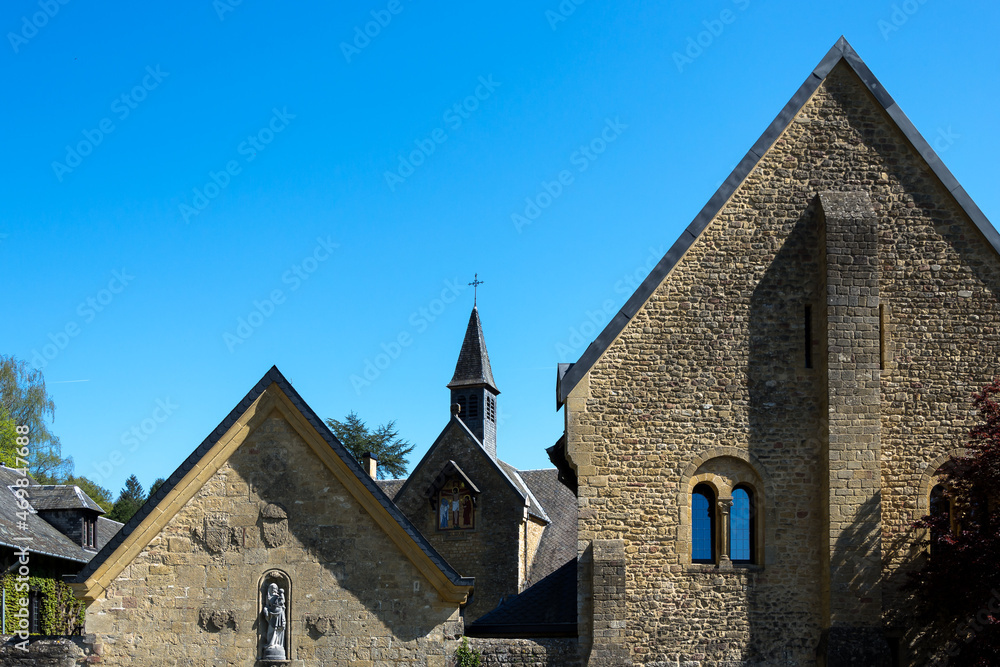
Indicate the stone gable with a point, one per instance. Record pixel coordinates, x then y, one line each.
191 595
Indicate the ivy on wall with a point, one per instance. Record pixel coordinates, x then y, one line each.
61 612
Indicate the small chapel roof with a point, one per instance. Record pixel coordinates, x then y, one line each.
473 367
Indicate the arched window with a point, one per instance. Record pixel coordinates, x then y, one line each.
702 524
461 407
473 407
940 510
741 527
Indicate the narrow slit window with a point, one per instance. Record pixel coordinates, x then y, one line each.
882 316
808 335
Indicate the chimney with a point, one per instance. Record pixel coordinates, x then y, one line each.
370 464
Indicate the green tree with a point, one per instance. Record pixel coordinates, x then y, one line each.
98 493
129 500
384 444
26 402
155 486
8 439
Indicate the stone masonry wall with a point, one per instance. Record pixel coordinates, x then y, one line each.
492 552
526 652
191 597
715 361
62 652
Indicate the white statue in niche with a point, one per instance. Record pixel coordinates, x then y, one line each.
274 614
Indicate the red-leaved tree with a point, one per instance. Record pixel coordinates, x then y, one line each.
957 590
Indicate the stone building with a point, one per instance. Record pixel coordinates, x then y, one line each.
271 511
755 431
53 531
747 444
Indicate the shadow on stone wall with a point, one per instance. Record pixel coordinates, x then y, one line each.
785 436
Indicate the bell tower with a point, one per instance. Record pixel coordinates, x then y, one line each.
472 387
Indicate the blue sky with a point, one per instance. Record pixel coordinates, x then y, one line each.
175 169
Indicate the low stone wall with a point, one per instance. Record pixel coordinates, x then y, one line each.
527 652
55 652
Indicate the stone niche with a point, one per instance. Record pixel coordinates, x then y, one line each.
265 625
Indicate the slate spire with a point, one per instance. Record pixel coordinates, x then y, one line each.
472 387
473 367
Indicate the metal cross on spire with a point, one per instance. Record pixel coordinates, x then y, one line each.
476 282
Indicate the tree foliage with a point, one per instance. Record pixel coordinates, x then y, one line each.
129 501
155 486
98 493
8 440
957 589
25 401
384 444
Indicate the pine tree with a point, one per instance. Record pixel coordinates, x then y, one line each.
957 589
129 501
155 486
383 443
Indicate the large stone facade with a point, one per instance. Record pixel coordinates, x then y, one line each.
842 233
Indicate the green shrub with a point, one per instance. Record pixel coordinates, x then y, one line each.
467 657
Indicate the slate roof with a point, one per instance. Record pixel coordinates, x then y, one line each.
558 542
534 507
61 497
274 376
569 375
106 529
473 367
547 609
45 538
391 486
